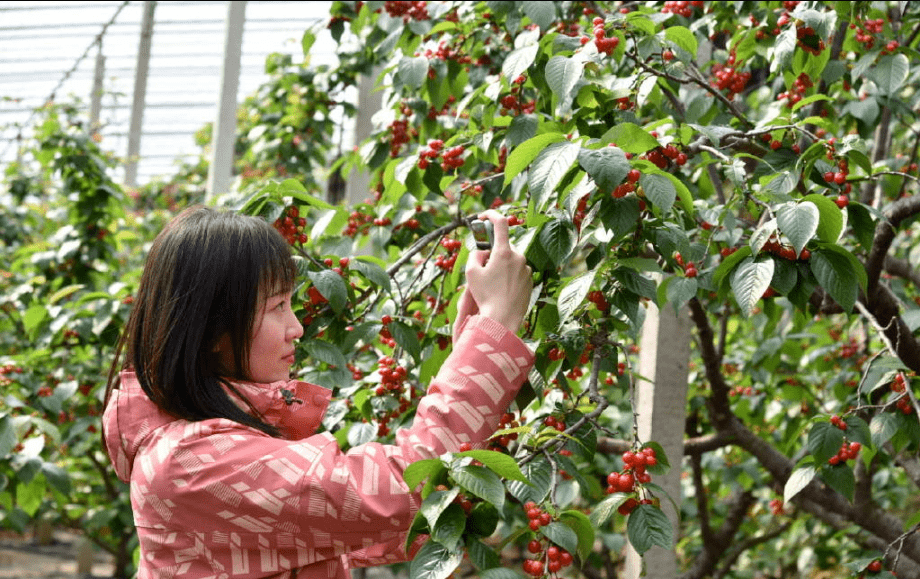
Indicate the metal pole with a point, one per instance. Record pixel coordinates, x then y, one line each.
95 100
223 139
140 93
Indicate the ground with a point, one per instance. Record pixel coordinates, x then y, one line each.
25 557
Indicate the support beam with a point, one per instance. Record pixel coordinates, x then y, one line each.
661 405
140 94
95 97
369 103
220 170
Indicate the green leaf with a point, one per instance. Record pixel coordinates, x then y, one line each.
551 164
797 481
420 470
501 573
581 524
562 535
526 152
486 560
647 527
728 265
557 238
332 286
631 138
413 71
34 316
682 38
563 74
830 225
450 526
543 14
539 472
327 353
57 477
659 190
406 337
370 270
481 482
837 276
782 183
306 42
498 462
434 561
799 222
608 166
436 503
882 427
29 495
519 60
824 441
680 290
890 73
749 281
573 295
605 509
783 50
8 438
295 189
840 478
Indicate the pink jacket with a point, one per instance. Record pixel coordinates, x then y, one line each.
215 499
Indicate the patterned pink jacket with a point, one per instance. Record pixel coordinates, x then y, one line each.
216 499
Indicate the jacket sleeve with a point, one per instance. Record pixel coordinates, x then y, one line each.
329 502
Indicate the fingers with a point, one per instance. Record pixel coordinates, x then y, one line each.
465 308
499 229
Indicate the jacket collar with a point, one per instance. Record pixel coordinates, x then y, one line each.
131 419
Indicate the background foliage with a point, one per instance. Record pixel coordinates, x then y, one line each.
753 164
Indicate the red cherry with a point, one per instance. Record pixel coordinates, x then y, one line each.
842 201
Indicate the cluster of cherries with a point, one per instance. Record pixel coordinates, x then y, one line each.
412 10
777 507
392 382
599 300
502 442
866 30
728 78
312 307
797 91
549 557
452 158
605 44
899 386
848 450
688 267
664 156
628 186
633 473
682 8
839 178
291 225
446 262
787 252
5 371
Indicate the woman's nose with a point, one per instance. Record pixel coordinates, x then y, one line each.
295 328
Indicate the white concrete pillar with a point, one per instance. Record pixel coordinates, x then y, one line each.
661 404
369 103
223 138
140 94
95 97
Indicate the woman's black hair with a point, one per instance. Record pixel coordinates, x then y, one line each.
203 279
